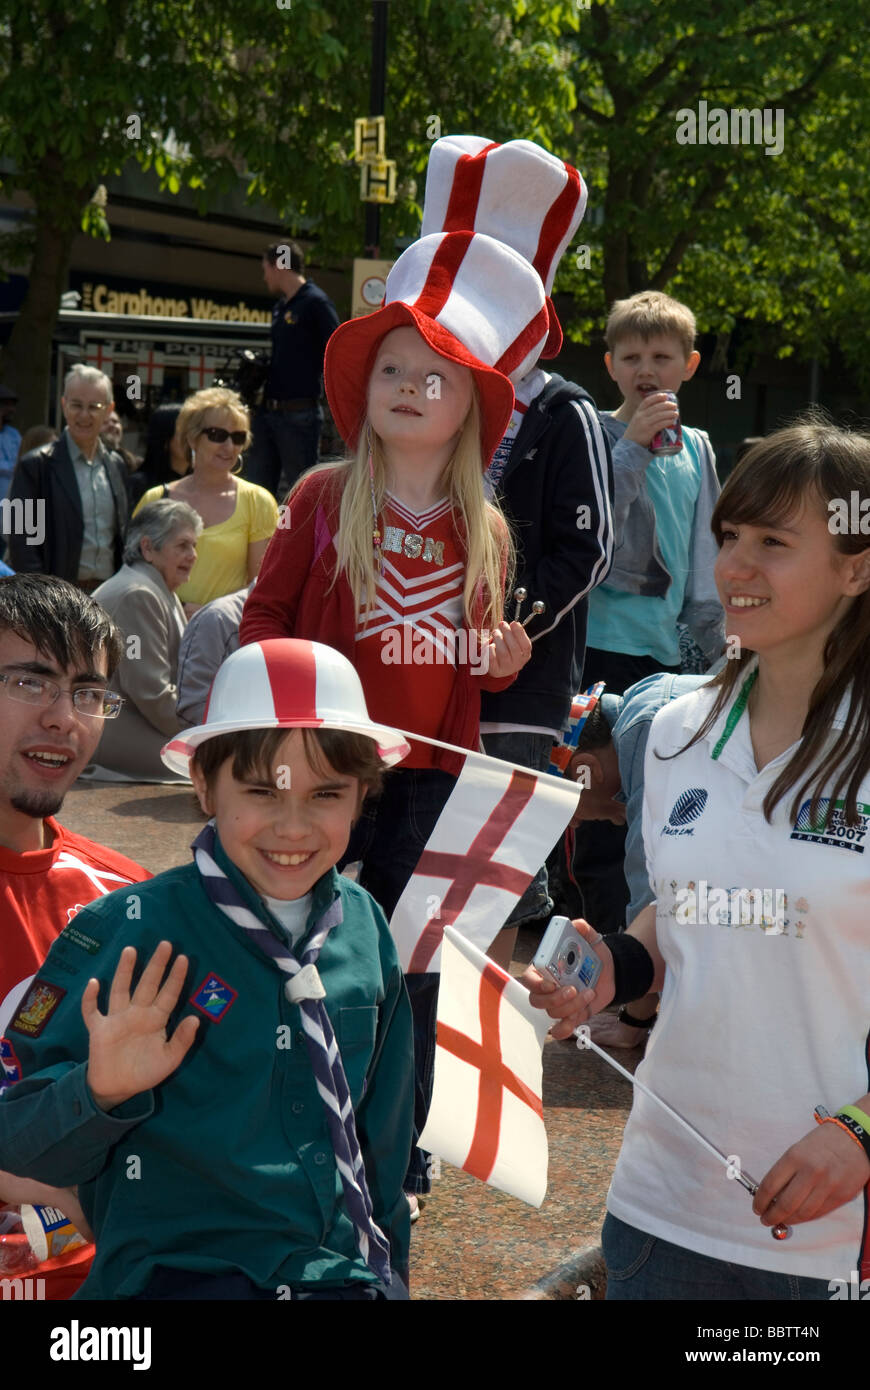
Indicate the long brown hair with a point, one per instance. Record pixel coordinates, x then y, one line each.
811 460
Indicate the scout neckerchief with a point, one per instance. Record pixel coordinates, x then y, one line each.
305 989
736 711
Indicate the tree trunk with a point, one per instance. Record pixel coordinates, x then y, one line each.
616 243
25 364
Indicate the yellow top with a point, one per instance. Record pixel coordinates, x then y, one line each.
222 551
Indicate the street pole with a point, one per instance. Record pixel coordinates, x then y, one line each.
377 99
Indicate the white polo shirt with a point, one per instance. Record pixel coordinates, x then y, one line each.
759 1023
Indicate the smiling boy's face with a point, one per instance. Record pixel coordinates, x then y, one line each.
282 834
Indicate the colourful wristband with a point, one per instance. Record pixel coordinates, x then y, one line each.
858 1128
860 1116
833 1120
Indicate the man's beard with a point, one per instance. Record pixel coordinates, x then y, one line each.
37 804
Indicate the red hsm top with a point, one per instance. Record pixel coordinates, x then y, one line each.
40 894
417 619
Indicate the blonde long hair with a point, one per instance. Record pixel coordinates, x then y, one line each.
482 531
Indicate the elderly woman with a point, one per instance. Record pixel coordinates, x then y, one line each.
238 517
159 554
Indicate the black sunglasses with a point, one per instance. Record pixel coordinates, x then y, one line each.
218 436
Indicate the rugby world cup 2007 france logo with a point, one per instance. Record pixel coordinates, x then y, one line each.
830 826
687 808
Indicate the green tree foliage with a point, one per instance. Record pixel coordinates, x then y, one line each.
776 242
267 92
241 88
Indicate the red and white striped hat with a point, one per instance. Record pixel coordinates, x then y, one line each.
285 683
475 301
518 193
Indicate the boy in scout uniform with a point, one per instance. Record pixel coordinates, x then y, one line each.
239 1127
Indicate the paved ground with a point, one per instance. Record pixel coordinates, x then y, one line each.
471 1242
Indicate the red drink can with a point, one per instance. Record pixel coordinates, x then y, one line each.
669 441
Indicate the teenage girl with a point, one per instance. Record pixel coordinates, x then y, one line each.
757 783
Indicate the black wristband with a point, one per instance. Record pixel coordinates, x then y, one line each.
633 968
625 1017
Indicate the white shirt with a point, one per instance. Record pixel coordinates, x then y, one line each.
292 913
758 1024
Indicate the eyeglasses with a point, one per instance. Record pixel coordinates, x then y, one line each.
93 408
218 436
34 690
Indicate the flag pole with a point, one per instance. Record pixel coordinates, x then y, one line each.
584 1042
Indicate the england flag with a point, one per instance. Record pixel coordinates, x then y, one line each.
494 833
486 1115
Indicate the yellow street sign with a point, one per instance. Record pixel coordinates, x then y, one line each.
369 138
377 183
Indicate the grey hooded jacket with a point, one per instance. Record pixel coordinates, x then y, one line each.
638 564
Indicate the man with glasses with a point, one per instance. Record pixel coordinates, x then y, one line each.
58 650
74 493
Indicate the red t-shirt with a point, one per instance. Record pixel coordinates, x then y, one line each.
40 894
408 645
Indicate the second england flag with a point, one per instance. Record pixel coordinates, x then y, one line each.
487 1114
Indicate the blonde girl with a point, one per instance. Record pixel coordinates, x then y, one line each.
395 557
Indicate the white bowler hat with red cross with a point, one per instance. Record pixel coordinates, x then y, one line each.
475 301
518 193
285 683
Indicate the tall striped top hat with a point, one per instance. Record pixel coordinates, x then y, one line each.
518 193
474 300
285 683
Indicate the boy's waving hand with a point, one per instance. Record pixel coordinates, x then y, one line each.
129 1049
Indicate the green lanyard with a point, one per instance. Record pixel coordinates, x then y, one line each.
736 710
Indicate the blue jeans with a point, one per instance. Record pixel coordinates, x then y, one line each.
642 1268
286 444
529 750
389 838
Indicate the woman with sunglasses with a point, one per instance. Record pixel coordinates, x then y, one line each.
238 517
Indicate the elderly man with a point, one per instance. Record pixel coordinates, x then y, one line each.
75 490
58 653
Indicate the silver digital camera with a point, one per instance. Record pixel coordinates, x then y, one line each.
567 956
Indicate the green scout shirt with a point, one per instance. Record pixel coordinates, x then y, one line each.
228 1164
